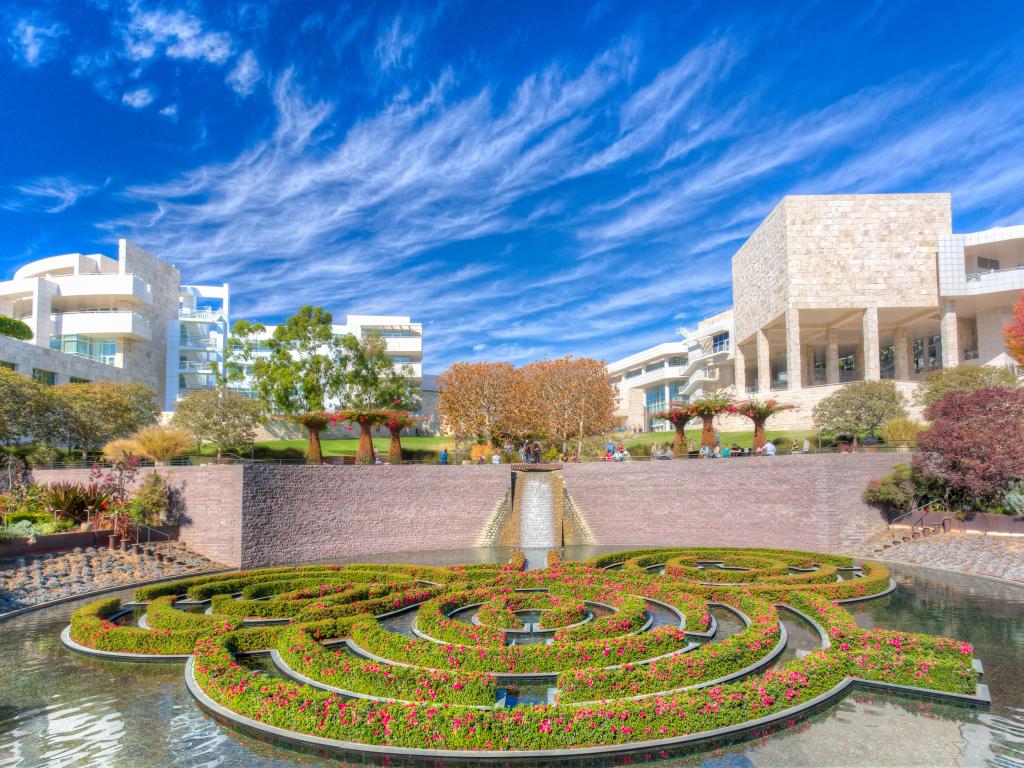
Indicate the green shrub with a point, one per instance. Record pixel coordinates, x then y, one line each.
896 493
901 430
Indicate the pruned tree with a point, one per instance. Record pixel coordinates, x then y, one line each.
487 402
963 378
1014 333
571 399
304 371
374 391
860 408
759 411
975 445
97 412
222 418
240 353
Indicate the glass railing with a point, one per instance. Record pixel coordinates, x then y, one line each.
200 314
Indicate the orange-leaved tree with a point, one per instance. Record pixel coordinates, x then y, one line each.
759 411
486 402
1014 333
571 399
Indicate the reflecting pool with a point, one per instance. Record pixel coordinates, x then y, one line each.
59 708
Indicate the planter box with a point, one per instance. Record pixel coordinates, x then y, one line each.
65 542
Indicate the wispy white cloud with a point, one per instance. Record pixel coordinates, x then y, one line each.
177 34
138 98
395 42
35 39
245 74
170 111
52 194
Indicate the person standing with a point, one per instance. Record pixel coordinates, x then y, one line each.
444 455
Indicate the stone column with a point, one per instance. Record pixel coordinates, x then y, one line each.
764 364
832 356
739 371
901 343
950 337
794 372
872 364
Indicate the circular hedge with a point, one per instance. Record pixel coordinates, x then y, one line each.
411 657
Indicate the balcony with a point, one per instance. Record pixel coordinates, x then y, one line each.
404 343
116 323
197 342
201 315
125 287
995 281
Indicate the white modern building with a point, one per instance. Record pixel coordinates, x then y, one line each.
831 289
130 319
676 371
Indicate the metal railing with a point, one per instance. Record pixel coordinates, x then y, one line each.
927 507
149 533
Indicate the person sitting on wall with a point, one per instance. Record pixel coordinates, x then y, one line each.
705 452
726 452
769 449
735 450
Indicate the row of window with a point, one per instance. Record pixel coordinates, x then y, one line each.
103 350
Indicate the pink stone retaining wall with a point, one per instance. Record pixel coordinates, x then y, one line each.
259 515
799 502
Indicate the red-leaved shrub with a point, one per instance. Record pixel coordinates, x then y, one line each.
975 445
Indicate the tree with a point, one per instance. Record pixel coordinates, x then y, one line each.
26 408
304 371
571 399
759 411
1014 333
374 391
705 409
397 421
484 401
219 417
963 378
239 353
974 446
16 329
861 407
94 413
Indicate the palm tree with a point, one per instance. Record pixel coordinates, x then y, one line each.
397 421
759 411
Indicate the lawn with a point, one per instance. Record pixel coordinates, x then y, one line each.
434 443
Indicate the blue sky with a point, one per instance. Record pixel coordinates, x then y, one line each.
528 179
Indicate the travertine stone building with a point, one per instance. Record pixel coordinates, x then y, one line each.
840 288
831 289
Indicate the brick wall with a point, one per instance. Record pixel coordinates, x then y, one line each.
297 513
810 502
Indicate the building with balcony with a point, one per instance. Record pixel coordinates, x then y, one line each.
676 371
831 289
197 338
92 317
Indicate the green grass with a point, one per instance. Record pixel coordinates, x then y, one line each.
347 446
434 443
743 439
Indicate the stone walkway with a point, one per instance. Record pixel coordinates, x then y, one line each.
1001 556
33 579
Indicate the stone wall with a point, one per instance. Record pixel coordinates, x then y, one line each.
759 276
809 502
298 513
211 505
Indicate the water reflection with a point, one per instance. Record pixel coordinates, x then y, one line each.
58 708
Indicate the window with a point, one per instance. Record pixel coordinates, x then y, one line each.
7 365
675 391
987 265
634 373
720 342
49 378
655 367
78 380
677 361
654 399
387 334
399 359
101 350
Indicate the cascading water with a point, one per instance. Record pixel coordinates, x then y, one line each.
537 525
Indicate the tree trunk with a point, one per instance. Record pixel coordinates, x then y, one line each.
364 453
395 448
314 455
707 435
679 444
760 438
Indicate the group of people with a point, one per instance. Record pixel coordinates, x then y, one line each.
616 452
